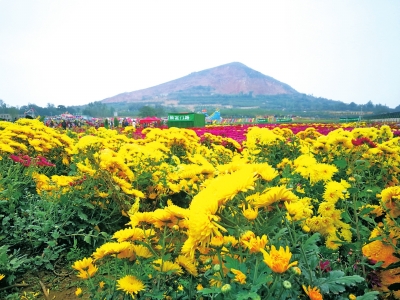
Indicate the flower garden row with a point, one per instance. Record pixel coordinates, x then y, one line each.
233 212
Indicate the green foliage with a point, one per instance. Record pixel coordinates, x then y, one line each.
45 229
116 122
336 282
12 264
369 296
98 109
43 226
149 111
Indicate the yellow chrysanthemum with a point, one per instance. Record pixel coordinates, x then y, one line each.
111 248
266 171
230 241
130 285
273 195
217 241
203 226
379 251
389 280
239 276
187 264
254 244
223 188
312 293
299 210
320 224
334 191
322 172
278 260
390 198
332 242
85 267
78 291
247 235
142 251
167 266
130 234
141 218
250 213
164 217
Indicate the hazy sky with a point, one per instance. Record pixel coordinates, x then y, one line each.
73 52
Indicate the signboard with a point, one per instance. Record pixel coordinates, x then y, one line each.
180 117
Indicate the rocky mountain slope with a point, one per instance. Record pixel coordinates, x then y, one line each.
229 79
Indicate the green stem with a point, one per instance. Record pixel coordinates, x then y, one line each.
221 264
306 262
280 294
275 278
358 229
256 270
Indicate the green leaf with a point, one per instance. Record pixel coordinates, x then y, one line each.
340 163
87 204
87 239
336 282
55 234
366 210
208 291
82 215
369 296
247 295
366 218
232 263
52 243
311 243
281 233
346 217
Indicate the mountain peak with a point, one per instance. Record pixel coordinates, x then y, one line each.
228 79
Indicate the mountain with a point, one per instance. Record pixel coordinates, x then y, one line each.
230 79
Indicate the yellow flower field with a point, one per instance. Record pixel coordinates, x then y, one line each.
171 215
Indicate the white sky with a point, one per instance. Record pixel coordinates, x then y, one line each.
73 52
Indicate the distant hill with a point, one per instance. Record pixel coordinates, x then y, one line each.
233 86
229 79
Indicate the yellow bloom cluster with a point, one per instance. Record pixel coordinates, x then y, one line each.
27 136
194 204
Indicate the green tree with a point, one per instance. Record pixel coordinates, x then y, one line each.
159 111
147 111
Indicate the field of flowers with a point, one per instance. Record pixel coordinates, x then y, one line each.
286 211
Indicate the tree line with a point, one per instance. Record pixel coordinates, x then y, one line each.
241 105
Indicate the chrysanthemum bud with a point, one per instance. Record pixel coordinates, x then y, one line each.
217 267
295 270
287 284
228 244
226 288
